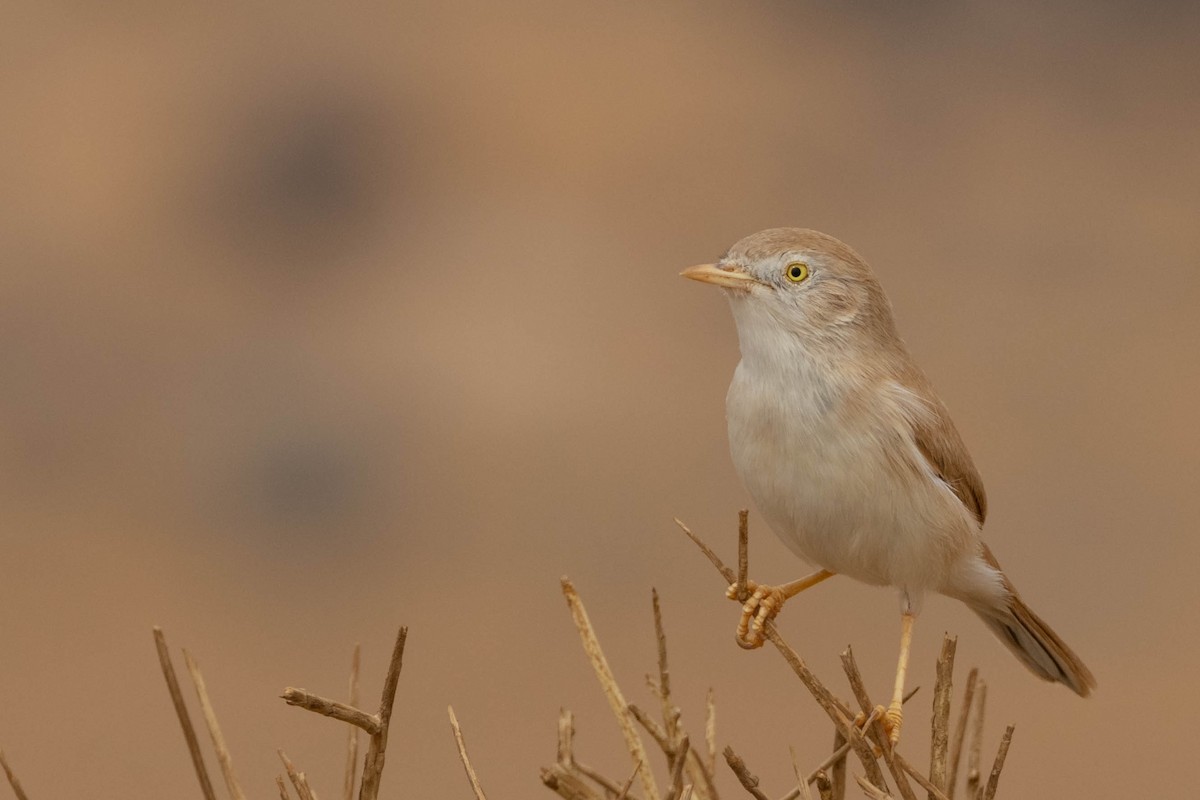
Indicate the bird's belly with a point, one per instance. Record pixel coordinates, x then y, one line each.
840 497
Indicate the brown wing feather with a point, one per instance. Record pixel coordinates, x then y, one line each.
939 442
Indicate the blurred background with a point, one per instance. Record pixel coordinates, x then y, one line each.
315 321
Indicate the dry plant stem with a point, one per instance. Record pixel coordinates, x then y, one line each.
973 756
331 708
566 737
351 730
749 782
743 574
12 779
824 786
214 730
960 731
670 717
871 727
567 785
377 749
462 754
837 711
652 728
989 791
679 759
875 728
940 722
604 783
297 778
729 575
616 701
283 793
838 765
185 721
871 790
934 792
710 732
624 793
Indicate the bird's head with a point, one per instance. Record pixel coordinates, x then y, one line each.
800 282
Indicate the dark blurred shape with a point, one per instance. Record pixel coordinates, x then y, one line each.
302 179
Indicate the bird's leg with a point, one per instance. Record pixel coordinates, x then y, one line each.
894 716
765 602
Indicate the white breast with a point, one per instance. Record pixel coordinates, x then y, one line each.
830 460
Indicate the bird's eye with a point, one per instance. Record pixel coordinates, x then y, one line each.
797 271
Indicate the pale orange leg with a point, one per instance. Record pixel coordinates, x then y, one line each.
894 716
765 602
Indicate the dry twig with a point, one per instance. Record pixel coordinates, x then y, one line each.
298 779
12 778
352 730
185 721
940 722
462 754
876 728
616 701
748 780
377 749
214 730
989 791
973 756
871 790
960 731
824 786
279 784
332 708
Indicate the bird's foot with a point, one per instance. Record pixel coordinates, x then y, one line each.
892 718
760 607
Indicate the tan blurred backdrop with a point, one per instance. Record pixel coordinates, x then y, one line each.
316 321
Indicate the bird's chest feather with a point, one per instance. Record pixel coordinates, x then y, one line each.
825 460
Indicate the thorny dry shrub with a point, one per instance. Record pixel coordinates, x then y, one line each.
689 764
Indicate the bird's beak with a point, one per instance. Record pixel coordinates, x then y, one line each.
730 277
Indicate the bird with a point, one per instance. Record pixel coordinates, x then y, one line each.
851 457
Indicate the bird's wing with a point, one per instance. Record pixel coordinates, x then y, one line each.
938 440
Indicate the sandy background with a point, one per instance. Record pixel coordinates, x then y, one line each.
315 321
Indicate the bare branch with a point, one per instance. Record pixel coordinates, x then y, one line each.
283 792
298 779
960 731
616 701
728 574
876 728
352 730
989 791
940 721
331 708
871 790
973 756
12 779
214 730
377 749
824 786
567 784
185 721
624 793
742 590
749 782
670 716
710 732
462 754
678 760
566 738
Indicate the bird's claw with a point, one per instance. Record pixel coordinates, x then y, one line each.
892 719
759 608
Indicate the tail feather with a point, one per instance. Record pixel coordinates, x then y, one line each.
1039 648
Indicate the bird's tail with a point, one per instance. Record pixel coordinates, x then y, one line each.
1032 641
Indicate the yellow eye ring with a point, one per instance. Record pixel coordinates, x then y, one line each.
796 272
